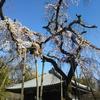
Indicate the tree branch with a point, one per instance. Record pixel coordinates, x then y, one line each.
1 12
2 3
55 66
72 69
79 21
57 12
62 50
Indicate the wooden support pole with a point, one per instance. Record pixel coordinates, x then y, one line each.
23 76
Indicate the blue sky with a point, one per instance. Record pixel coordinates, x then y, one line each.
31 14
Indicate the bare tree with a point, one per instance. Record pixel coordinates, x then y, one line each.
67 44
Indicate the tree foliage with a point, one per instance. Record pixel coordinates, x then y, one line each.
87 81
4 81
90 82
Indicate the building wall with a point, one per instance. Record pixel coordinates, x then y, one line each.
29 96
46 96
52 96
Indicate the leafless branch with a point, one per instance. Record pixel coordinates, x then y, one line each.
1 12
55 66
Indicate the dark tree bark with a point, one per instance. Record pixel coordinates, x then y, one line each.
1 12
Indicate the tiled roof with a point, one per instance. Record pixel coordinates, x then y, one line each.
48 79
51 78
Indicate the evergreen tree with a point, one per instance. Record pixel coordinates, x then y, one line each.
4 81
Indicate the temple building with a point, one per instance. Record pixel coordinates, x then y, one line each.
51 88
